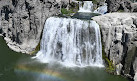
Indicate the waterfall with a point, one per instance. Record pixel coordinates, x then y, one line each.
71 42
88 8
101 9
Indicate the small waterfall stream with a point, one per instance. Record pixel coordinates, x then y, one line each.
71 42
88 8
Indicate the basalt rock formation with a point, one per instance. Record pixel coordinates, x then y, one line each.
22 21
121 6
119 35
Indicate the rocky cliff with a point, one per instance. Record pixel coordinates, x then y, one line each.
121 6
22 21
119 35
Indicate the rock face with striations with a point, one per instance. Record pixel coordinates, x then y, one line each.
119 35
121 6
22 21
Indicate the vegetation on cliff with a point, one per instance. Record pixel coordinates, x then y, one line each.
110 68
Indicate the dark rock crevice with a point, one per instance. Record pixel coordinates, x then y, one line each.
14 3
121 5
6 10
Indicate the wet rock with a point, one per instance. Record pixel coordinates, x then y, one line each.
119 68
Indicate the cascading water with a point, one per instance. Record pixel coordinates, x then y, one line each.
71 42
102 9
88 8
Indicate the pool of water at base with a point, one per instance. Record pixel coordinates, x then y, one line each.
21 67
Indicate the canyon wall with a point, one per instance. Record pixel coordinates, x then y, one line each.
121 6
119 37
22 21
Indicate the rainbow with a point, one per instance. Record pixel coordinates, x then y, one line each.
47 73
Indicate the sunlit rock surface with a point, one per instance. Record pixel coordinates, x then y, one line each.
22 21
119 35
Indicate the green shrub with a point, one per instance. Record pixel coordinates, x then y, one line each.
120 10
94 1
110 68
109 64
65 11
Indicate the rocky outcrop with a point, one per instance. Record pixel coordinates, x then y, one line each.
22 21
97 3
121 6
119 35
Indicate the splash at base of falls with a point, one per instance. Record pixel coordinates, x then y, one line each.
71 42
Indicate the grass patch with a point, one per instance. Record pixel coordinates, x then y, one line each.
72 8
120 10
65 11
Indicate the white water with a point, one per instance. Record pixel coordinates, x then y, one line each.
102 9
88 8
71 42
